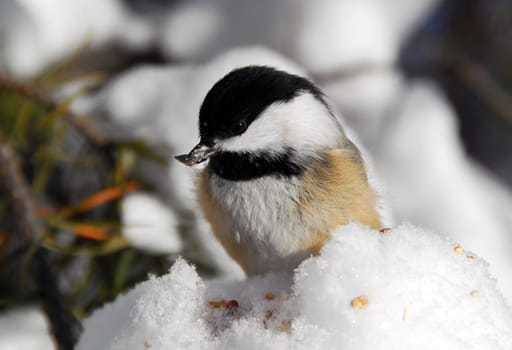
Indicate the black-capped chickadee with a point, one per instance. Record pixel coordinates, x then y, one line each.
281 171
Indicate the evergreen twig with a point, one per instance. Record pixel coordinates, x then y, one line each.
63 326
38 95
487 88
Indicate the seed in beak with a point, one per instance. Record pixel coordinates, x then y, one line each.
186 159
199 154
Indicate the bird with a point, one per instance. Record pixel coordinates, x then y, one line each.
281 172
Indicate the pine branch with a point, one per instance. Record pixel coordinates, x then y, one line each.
346 73
63 326
39 96
485 87
13 184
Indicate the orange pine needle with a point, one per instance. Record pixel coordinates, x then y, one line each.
90 231
44 211
107 195
97 199
4 238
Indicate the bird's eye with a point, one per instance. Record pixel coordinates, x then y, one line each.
239 127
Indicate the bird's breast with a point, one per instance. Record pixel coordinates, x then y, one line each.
262 221
273 222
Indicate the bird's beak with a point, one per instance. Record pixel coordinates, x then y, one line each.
199 153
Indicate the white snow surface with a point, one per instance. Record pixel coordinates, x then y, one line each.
322 35
24 328
334 35
413 138
422 292
149 224
410 129
40 33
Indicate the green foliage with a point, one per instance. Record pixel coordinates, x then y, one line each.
77 182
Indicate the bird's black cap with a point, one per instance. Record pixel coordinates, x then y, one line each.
236 100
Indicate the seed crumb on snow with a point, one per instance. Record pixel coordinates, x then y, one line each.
414 278
268 316
359 302
458 249
269 296
405 313
225 304
285 325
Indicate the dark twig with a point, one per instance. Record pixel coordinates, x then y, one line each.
62 324
485 86
13 183
38 95
346 73
474 75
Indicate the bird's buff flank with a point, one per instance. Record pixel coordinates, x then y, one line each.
281 172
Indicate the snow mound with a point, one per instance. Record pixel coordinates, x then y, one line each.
401 289
410 129
148 224
24 328
323 35
351 32
43 32
432 182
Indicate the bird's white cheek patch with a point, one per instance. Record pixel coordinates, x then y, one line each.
302 123
265 133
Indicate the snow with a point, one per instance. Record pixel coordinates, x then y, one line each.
410 130
365 99
351 32
402 289
42 32
219 25
405 16
324 35
24 328
148 224
202 22
431 181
